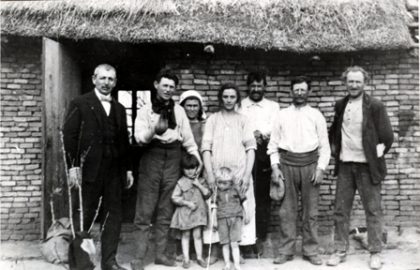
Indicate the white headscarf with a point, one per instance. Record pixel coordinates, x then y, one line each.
195 94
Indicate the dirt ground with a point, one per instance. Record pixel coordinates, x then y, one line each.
402 252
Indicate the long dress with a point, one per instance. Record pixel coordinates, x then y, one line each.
228 138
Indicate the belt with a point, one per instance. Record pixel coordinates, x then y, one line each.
298 159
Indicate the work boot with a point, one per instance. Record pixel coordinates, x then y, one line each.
164 260
336 258
282 259
375 261
314 259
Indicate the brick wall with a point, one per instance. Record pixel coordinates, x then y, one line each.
21 138
395 81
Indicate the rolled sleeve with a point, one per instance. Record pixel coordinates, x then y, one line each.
207 141
248 139
188 141
272 147
177 198
324 145
144 128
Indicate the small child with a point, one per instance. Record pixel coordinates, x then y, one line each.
230 213
189 196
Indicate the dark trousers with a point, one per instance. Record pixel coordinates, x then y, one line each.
298 178
159 172
108 185
352 176
261 173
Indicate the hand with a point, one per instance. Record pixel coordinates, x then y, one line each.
266 137
276 174
244 184
247 218
258 136
196 182
161 126
215 225
317 177
191 205
130 180
75 177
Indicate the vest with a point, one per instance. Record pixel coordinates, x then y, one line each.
110 133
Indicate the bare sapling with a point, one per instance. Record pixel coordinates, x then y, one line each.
68 185
96 214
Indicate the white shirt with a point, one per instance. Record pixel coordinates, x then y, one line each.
147 120
260 114
351 132
105 104
300 130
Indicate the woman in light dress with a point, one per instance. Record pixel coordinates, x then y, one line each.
228 141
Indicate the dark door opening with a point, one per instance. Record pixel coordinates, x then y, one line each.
136 66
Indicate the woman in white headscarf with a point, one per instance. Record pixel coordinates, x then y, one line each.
192 102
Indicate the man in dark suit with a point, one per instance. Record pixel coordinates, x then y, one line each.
360 136
96 144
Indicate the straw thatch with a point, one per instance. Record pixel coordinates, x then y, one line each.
288 25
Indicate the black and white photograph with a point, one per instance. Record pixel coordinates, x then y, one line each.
209 134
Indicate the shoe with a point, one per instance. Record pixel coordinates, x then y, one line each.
375 261
186 264
282 259
213 260
137 265
314 259
226 267
114 266
201 263
179 258
163 260
336 258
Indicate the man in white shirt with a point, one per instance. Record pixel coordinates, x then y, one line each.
163 129
261 112
300 152
361 134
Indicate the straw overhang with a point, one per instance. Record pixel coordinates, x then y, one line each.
287 25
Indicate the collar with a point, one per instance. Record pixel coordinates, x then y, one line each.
99 95
249 102
293 107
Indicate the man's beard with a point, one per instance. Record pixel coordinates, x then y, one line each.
256 97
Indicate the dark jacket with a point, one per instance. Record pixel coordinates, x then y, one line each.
84 134
376 129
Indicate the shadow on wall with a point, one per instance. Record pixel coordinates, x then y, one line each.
405 119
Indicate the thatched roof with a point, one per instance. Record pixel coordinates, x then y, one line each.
288 25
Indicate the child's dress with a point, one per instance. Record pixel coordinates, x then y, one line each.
184 218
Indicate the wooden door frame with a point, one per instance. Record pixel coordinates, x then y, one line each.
61 83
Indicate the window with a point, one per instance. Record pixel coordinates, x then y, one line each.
133 100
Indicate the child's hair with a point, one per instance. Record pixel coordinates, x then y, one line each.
189 161
224 174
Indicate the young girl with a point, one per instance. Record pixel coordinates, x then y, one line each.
191 213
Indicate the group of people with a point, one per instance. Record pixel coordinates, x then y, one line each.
211 177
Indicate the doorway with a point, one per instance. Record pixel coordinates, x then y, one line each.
68 67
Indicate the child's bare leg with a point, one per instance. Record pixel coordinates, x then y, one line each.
235 255
226 255
185 242
198 243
